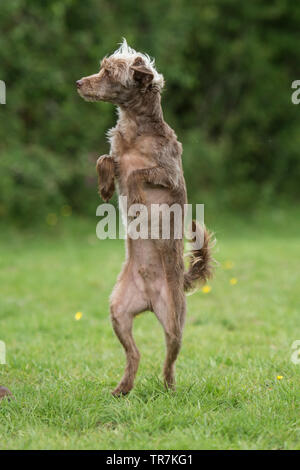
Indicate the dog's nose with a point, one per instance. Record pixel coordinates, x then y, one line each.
79 83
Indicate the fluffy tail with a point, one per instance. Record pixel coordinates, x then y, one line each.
201 260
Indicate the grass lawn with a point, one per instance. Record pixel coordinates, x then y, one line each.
237 342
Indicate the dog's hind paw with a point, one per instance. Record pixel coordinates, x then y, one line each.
121 390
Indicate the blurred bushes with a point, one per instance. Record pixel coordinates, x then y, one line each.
228 66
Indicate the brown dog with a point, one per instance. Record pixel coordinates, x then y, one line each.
145 164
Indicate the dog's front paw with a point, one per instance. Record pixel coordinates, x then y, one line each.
106 174
135 191
106 191
136 196
137 200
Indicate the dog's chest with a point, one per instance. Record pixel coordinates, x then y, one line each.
131 161
130 155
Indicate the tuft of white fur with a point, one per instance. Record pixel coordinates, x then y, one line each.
128 53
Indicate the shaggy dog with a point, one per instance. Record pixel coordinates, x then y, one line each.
145 165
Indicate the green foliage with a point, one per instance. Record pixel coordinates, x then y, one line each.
228 66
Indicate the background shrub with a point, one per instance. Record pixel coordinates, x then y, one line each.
228 66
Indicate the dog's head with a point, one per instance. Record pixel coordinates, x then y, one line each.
122 76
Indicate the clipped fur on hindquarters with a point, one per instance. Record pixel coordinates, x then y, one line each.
201 260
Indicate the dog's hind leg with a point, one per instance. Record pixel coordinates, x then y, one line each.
170 310
127 301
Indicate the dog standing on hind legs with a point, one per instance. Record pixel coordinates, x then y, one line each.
145 165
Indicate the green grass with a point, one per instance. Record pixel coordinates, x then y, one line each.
237 341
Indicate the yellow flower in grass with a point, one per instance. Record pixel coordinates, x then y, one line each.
78 316
51 219
228 265
206 289
233 281
279 377
66 210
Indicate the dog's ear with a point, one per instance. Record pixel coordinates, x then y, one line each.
140 72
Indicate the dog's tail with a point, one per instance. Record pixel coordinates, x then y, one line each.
201 260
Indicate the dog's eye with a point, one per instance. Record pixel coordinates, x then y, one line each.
107 73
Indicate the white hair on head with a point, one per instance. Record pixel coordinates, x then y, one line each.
128 53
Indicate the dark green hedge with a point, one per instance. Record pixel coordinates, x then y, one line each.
228 67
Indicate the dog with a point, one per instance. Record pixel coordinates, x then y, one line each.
144 164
